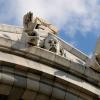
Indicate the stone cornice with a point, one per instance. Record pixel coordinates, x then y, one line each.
26 64
49 58
68 47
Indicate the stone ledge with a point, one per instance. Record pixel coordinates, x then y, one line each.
10 28
50 58
20 81
73 50
51 71
68 47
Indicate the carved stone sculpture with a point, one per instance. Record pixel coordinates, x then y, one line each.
33 36
52 44
37 31
63 52
28 24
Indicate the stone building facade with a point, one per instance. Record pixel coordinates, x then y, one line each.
35 64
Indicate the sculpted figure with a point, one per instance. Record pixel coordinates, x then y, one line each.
37 30
34 39
33 36
51 44
28 24
63 52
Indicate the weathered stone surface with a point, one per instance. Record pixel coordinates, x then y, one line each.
91 73
31 25
97 50
42 71
33 82
10 28
20 81
7 78
15 93
52 44
59 94
62 61
70 96
5 42
94 61
91 88
5 89
46 89
29 95
78 68
46 55
42 97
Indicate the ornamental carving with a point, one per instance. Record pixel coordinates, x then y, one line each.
52 44
40 33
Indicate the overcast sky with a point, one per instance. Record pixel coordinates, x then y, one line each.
77 20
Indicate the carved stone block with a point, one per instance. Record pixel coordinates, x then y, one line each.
63 52
52 44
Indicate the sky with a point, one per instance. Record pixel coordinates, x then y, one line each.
78 21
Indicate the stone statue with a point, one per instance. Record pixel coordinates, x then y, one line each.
28 23
33 36
27 18
52 44
37 31
63 52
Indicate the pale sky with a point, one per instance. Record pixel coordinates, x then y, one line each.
77 20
